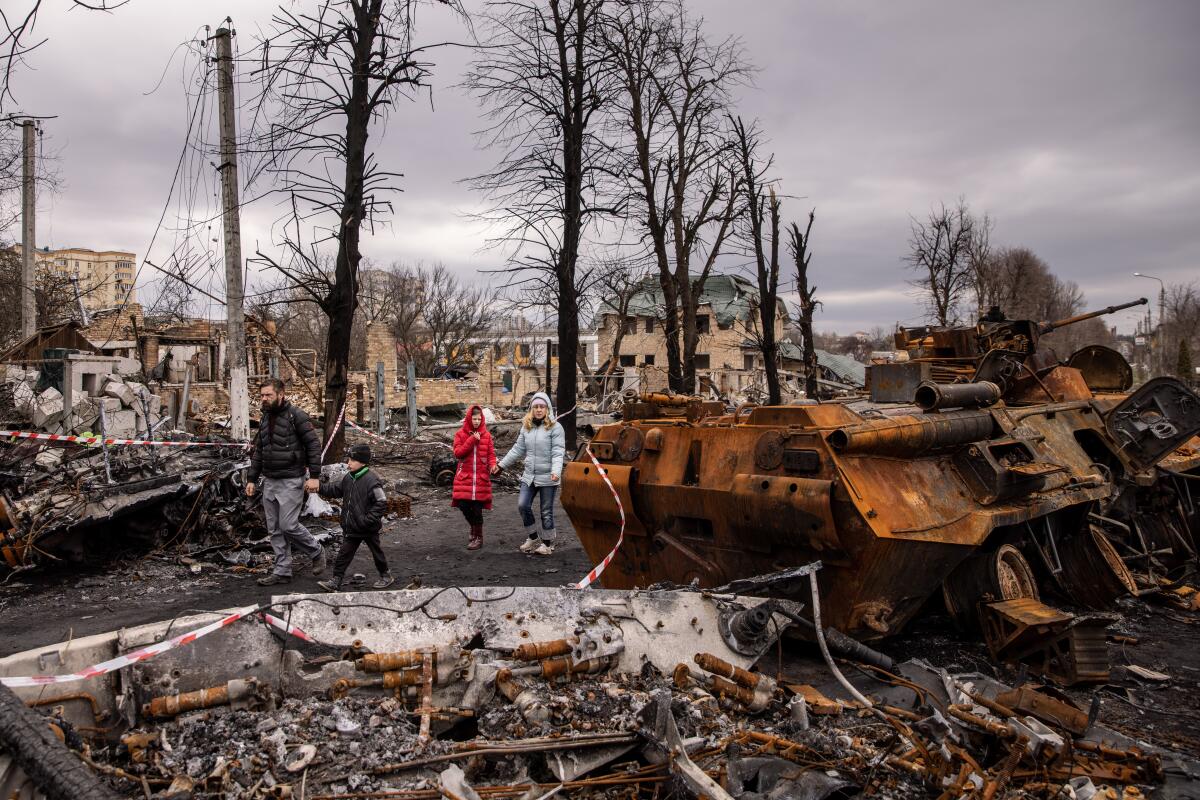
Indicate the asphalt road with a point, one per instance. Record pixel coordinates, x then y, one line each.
47 607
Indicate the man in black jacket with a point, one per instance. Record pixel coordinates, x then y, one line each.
363 506
285 447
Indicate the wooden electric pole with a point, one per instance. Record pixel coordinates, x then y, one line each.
28 231
239 392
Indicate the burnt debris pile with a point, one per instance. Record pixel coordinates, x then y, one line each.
513 692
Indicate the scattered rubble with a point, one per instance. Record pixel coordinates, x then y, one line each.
513 692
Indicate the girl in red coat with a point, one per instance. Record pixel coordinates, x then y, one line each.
473 480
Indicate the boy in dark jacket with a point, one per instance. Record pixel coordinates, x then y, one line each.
363 506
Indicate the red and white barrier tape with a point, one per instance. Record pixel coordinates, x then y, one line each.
291 630
590 578
114 664
333 433
393 442
62 437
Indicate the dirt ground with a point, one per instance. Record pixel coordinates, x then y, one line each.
45 607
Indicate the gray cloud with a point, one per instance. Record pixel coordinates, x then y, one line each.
1074 124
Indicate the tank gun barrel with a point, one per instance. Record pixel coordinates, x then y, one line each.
1046 327
909 436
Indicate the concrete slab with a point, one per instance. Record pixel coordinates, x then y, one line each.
47 408
121 391
23 398
83 416
121 425
50 458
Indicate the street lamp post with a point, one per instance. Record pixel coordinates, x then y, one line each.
1158 333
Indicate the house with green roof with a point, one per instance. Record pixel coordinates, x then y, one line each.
726 317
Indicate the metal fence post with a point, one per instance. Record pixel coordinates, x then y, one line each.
412 400
380 400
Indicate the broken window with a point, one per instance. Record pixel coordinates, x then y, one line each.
748 362
702 361
649 360
630 325
703 324
649 326
627 361
523 350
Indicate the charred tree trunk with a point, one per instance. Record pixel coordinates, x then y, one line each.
766 264
671 333
768 289
342 301
808 304
572 77
687 307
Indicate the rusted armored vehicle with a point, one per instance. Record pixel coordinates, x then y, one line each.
978 469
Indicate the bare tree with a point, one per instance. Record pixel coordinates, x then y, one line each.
1181 324
440 323
802 257
762 234
328 78
979 255
540 74
17 39
301 326
619 282
939 253
673 109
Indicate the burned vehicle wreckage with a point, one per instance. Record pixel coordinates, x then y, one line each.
982 474
93 501
981 469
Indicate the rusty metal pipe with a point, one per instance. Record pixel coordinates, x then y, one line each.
538 651
660 399
997 729
398 679
710 663
174 704
912 436
63 698
565 665
932 396
721 687
389 662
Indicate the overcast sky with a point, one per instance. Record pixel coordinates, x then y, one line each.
1076 125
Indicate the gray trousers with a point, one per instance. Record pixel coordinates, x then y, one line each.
283 499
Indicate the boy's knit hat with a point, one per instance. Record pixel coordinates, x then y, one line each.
361 453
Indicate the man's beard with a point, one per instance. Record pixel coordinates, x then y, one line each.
271 407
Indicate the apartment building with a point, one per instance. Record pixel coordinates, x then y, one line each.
105 276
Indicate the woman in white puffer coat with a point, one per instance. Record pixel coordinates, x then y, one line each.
542 443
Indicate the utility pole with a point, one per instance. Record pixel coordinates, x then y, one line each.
235 323
411 399
1158 333
28 230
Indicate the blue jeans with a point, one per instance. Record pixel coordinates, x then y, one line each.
546 495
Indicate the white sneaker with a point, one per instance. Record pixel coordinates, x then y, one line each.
529 545
544 549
